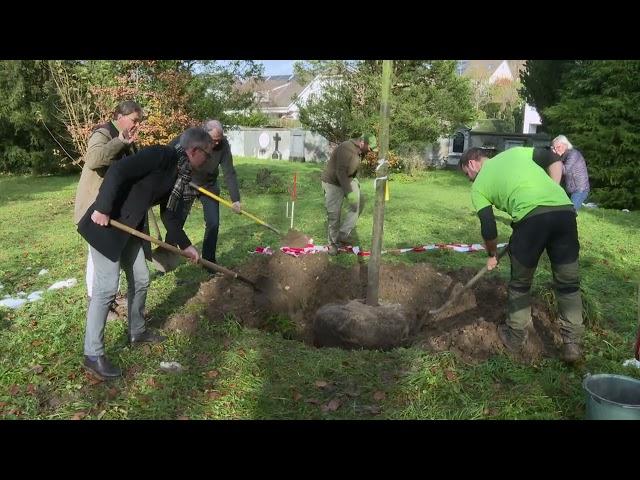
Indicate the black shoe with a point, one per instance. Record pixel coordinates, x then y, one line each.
148 336
102 367
512 341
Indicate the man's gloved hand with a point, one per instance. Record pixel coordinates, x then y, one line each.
236 207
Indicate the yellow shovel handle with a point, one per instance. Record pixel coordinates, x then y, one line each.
228 204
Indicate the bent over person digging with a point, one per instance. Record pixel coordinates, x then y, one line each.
155 175
543 219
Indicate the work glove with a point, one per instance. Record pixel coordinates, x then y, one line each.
352 202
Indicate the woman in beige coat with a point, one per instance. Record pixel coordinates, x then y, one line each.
108 143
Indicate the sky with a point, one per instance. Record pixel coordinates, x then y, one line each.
277 67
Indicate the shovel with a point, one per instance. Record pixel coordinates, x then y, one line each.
468 285
263 286
163 260
226 203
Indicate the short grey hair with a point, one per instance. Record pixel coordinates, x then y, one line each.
563 140
195 137
211 124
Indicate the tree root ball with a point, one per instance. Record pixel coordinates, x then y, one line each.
357 325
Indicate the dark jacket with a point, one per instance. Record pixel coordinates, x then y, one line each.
343 165
206 176
130 187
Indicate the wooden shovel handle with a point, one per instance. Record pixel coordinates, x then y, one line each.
202 261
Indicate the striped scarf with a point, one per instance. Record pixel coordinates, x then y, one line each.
182 189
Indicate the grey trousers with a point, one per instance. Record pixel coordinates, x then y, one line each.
333 199
105 287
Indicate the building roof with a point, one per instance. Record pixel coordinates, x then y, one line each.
275 91
488 67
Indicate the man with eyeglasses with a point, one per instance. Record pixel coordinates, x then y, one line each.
206 177
155 175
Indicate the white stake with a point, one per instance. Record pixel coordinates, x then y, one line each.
292 205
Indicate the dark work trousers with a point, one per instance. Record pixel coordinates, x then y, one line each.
557 233
211 210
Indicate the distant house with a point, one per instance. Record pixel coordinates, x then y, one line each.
275 95
494 70
489 133
278 95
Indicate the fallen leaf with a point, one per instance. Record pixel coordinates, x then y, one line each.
133 370
14 390
37 343
379 396
451 375
37 369
3 404
314 401
321 383
296 396
332 406
182 417
202 358
112 393
214 395
92 379
71 376
79 415
31 389
213 373
373 409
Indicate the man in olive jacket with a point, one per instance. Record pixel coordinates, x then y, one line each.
339 182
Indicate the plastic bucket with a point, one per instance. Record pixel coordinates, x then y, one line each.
612 397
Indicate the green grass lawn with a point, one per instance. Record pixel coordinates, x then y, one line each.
233 372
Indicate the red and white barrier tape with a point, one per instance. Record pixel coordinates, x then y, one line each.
312 249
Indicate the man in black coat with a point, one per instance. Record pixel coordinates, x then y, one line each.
155 175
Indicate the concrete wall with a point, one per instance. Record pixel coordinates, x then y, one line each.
245 143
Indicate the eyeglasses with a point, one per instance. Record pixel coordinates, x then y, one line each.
207 154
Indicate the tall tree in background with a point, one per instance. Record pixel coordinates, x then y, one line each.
50 107
498 100
541 83
428 100
214 94
27 97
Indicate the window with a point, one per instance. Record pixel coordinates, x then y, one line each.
458 143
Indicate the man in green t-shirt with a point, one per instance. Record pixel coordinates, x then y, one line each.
515 182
